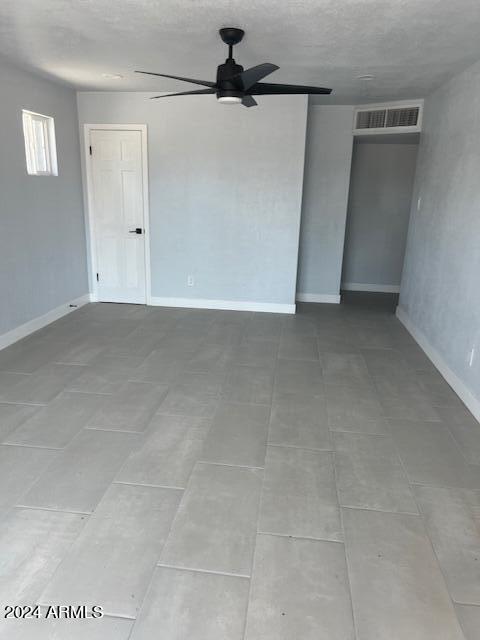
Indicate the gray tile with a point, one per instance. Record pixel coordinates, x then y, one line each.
398 590
238 435
345 369
298 348
299 421
452 518
105 628
43 385
225 333
79 475
193 394
106 374
210 358
254 353
469 619
299 325
430 455
167 453
265 326
351 407
82 351
163 365
296 376
19 469
299 590
373 337
370 474
216 522
29 354
299 496
12 416
407 406
248 384
190 604
33 542
130 409
464 429
112 561
382 362
56 424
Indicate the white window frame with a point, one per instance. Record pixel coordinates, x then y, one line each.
49 147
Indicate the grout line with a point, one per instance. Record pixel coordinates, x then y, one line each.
347 567
400 513
296 446
113 430
77 513
145 484
295 537
26 404
209 571
226 464
31 446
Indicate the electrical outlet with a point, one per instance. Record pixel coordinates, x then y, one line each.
190 281
472 357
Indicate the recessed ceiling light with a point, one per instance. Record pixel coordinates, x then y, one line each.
366 76
112 76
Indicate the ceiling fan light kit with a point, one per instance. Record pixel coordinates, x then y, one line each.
234 85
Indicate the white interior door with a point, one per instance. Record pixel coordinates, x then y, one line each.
118 215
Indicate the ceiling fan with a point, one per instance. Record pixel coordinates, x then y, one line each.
235 85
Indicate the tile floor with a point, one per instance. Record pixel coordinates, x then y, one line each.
216 475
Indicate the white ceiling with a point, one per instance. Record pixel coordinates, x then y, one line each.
410 46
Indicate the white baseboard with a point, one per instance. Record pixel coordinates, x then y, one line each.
318 297
31 326
226 305
468 398
380 288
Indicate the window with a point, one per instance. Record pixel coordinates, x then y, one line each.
40 149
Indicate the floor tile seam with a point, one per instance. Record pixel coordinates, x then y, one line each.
26 404
19 505
145 484
227 464
345 553
227 574
112 430
300 447
432 547
289 536
31 446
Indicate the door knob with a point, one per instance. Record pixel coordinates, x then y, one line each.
138 230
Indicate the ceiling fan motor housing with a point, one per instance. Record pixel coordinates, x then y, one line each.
226 87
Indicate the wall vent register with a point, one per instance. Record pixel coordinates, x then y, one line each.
387 119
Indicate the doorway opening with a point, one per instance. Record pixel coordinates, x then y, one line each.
378 214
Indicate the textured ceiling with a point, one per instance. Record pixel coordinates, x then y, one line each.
410 46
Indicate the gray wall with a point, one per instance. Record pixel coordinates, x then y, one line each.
381 186
441 281
42 238
225 191
325 197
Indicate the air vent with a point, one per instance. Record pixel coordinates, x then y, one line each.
407 117
371 119
388 118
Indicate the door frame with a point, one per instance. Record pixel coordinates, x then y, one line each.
92 257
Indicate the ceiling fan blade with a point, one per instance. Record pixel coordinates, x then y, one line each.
248 101
267 88
185 93
249 77
204 83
